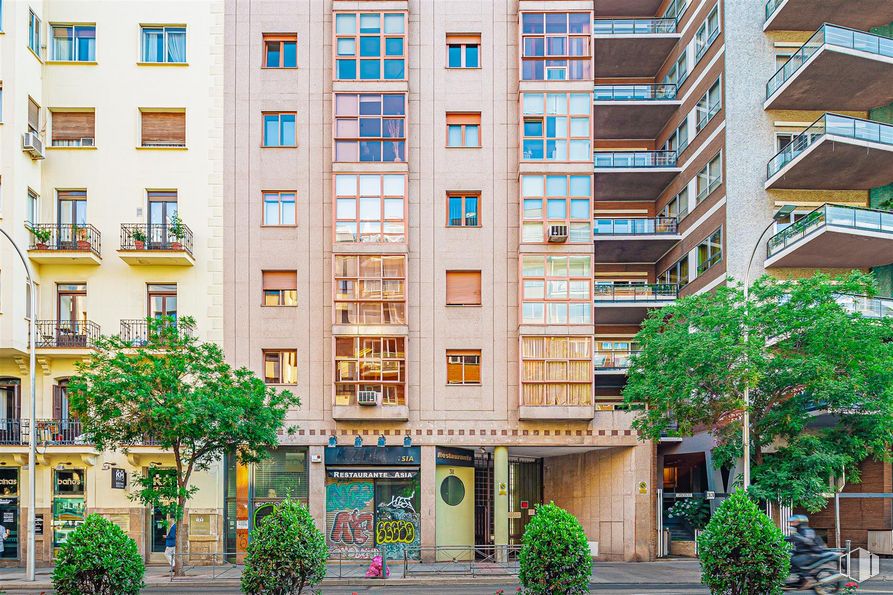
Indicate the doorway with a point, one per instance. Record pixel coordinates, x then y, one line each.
71 218
71 308
162 210
525 491
162 300
10 410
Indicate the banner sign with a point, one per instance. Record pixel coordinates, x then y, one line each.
373 455
346 474
455 457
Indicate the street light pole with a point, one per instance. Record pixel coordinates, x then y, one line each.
32 431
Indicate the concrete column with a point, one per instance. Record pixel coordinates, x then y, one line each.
501 502
428 484
316 487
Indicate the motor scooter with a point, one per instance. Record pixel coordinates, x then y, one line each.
825 577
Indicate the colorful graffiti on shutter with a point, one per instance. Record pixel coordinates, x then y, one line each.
397 520
350 518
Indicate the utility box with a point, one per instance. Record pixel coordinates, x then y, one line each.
880 542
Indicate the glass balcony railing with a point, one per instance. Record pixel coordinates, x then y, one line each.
838 216
870 307
831 124
624 159
652 226
658 92
633 26
829 35
652 292
613 360
771 7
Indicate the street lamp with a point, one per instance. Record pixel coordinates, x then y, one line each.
32 434
781 214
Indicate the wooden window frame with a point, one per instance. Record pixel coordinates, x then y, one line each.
480 288
280 355
282 294
388 305
357 36
464 197
356 233
464 120
546 278
263 207
282 39
544 220
381 360
358 140
462 355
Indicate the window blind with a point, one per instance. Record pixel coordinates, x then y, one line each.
463 288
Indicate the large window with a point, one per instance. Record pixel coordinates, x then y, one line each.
679 71
370 289
677 206
678 140
163 128
279 129
280 288
370 46
708 106
371 368
164 45
556 46
707 32
463 50
463 130
677 274
370 208
370 127
463 366
556 200
74 43
463 209
556 126
709 178
279 208
281 366
710 251
280 50
556 289
34 32
463 288
73 129
556 371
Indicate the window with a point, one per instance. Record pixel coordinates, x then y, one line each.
675 9
31 210
678 141
789 220
556 371
615 354
33 116
679 71
677 206
710 251
463 51
279 129
708 105
74 43
709 178
280 50
370 208
163 129
556 46
463 288
556 289
462 209
707 32
556 126
162 300
34 33
677 274
28 299
279 208
370 46
463 130
463 366
370 127
280 288
556 200
782 57
281 366
164 45
370 289
370 365
73 129
783 139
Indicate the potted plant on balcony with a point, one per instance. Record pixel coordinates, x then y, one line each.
139 238
41 237
80 236
178 230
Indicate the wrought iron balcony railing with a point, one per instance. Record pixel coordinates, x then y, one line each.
633 26
634 159
13 431
630 226
66 236
136 331
650 92
66 333
156 236
60 432
652 292
871 220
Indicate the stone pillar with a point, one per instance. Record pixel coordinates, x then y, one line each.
501 502
316 487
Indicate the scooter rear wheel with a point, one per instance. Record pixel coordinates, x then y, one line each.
830 587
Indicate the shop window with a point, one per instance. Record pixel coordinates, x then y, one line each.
556 289
556 371
370 289
556 200
556 46
371 369
69 503
556 127
10 513
370 208
370 127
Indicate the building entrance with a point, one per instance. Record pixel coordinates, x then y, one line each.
525 491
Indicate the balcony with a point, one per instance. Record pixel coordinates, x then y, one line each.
839 68
835 236
60 432
156 244
13 432
613 362
633 175
634 240
629 304
632 47
627 8
869 307
835 153
65 243
633 111
136 331
809 15
68 335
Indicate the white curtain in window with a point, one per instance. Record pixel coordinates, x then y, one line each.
176 45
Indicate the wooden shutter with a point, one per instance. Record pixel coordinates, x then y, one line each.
57 401
463 38
280 280
463 288
73 125
464 119
18 401
33 115
164 129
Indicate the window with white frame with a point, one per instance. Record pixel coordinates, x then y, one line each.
34 32
31 211
707 32
74 43
556 199
556 127
708 105
556 289
709 178
164 44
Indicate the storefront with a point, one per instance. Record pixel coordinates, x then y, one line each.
9 513
454 511
69 503
373 499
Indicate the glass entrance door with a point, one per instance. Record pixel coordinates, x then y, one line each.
162 301
71 327
162 210
71 218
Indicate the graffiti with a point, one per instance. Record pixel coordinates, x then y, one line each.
351 528
347 496
394 532
401 502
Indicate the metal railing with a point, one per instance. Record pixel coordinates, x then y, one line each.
652 292
836 215
66 333
13 431
476 560
59 431
631 226
136 331
66 236
649 92
771 7
156 236
870 307
633 26
644 159
614 360
831 124
829 35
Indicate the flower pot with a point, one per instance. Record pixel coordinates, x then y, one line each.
175 245
41 245
83 245
139 244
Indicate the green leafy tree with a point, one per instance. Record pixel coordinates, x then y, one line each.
180 394
555 558
98 558
287 553
806 355
741 550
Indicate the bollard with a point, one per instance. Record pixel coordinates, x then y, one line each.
384 563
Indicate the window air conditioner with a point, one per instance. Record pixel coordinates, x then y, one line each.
558 233
32 143
367 397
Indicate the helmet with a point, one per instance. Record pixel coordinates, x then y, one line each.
798 518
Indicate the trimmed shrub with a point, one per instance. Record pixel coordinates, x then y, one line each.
98 558
555 555
741 550
287 553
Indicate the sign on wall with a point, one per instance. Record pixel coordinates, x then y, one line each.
119 478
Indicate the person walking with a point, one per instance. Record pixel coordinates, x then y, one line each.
170 545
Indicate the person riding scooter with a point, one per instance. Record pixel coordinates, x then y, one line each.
807 545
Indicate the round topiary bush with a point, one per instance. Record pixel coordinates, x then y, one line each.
98 558
555 555
741 550
287 553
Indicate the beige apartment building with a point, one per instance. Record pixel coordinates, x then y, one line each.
112 124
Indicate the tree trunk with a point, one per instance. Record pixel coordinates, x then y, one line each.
181 537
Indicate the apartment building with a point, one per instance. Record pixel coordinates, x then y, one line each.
111 183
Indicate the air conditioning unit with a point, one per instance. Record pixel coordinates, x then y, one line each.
367 397
556 73
558 233
87 141
32 143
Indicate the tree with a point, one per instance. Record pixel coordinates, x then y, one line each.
806 355
741 550
98 558
183 396
287 553
554 558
